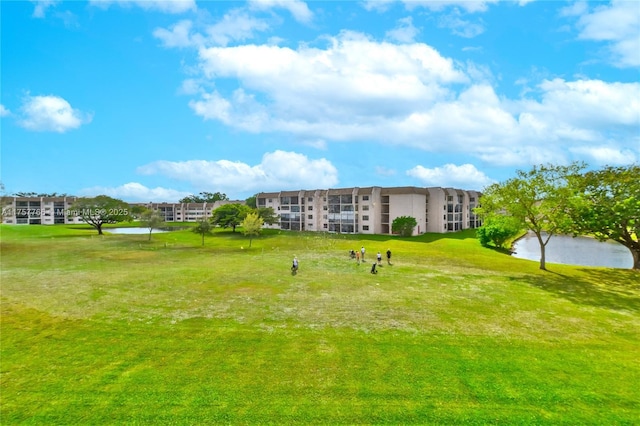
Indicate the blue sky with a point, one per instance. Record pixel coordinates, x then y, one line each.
151 101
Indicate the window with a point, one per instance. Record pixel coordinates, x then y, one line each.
365 207
310 208
365 198
310 216
325 226
365 227
365 217
310 199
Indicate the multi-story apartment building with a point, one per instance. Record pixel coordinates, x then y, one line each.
38 210
368 210
59 210
372 210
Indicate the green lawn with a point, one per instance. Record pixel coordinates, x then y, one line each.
115 329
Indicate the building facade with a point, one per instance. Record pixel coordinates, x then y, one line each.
368 210
372 210
59 210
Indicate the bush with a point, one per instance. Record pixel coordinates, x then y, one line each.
498 230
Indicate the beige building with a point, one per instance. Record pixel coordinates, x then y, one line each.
369 210
372 210
58 210
38 210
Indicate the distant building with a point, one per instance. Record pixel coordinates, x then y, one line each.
371 210
58 210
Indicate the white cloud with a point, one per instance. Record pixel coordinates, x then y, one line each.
459 26
136 192
41 6
165 6
310 86
4 112
358 89
618 24
377 5
470 6
277 170
609 155
178 36
405 32
450 175
297 8
51 114
235 25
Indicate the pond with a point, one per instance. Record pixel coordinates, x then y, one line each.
575 251
133 230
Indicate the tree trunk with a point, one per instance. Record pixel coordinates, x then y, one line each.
636 258
203 239
99 228
543 246
543 264
151 230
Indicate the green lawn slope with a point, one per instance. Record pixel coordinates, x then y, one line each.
116 329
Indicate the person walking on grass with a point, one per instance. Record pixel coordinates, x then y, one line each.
379 257
362 253
294 266
358 257
389 256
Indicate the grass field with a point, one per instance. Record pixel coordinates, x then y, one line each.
120 330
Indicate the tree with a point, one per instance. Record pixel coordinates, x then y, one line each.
403 225
252 226
205 197
607 205
537 200
230 215
101 210
268 215
251 201
151 219
203 227
497 229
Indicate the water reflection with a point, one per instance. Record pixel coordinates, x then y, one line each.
133 230
575 251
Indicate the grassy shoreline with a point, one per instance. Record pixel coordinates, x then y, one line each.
116 329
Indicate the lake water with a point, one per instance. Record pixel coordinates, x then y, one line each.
575 251
132 230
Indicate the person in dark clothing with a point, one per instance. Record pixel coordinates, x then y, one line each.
373 268
389 256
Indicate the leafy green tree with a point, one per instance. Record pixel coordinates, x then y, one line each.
497 230
607 205
203 227
404 225
252 226
100 210
151 219
268 215
205 197
538 200
230 215
251 201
